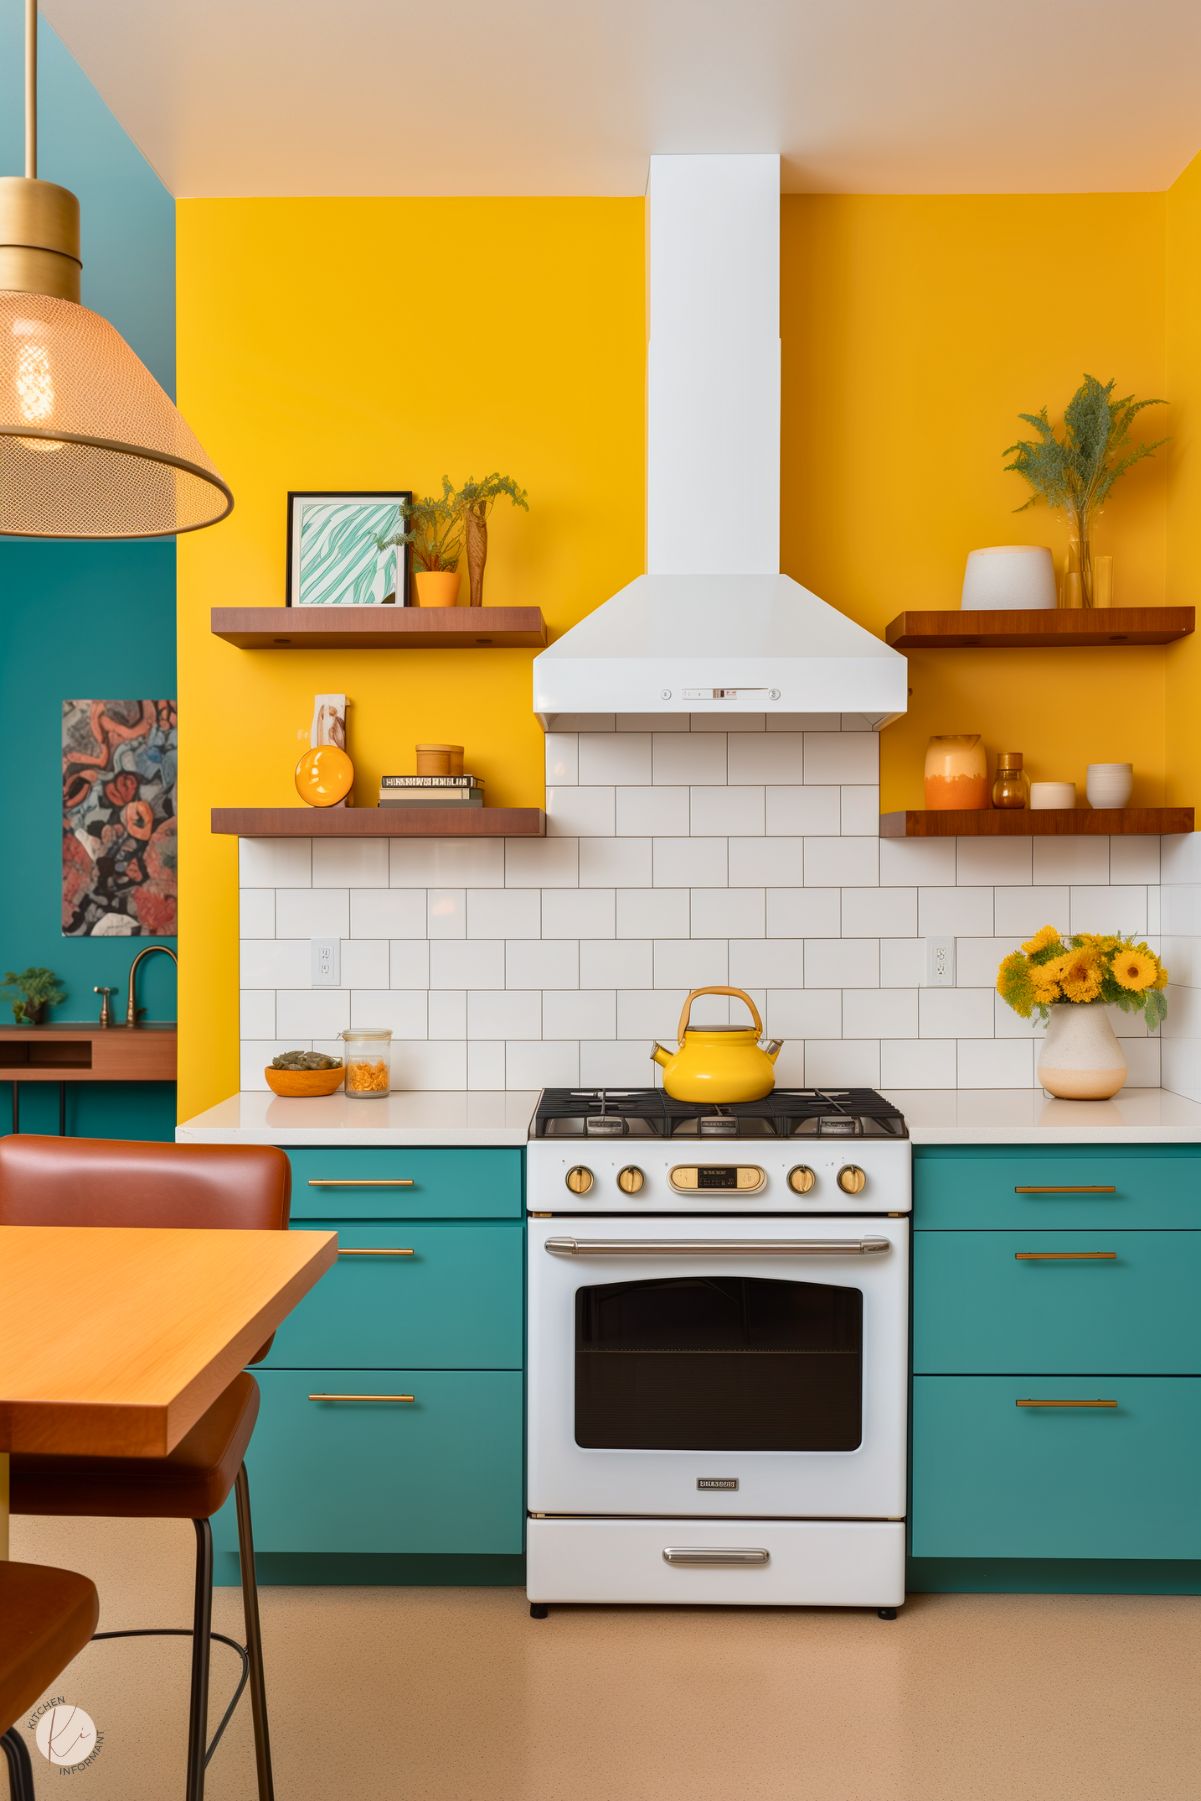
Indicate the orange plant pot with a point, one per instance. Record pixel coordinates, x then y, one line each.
437 587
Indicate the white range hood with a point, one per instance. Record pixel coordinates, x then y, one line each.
713 626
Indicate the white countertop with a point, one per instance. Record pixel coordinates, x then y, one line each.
479 1117
436 1117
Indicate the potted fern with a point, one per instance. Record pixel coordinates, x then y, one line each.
32 991
473 502
436 535
1074 473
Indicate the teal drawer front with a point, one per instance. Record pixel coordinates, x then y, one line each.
979 1308
991 1479
455 1303
396 1183
440 1474
976 1188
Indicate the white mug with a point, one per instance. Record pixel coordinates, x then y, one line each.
1045 795
1109 784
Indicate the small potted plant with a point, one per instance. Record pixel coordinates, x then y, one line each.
31 993
1069 982
1075 473
472 503
436 534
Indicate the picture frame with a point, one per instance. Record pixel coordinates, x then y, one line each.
334 558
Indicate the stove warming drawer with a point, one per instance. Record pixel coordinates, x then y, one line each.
708 1563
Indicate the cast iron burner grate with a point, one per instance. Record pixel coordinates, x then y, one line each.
650 1113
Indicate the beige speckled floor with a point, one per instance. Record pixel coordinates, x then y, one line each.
456 1695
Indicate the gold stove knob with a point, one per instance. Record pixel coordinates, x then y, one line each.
851 1179
801 1179
579 1179
630 1179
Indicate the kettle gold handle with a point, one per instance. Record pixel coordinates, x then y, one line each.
737 994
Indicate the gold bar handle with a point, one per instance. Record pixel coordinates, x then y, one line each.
1028 1403
373 1251
406 1398
1070 1188
361 1182
1059 1256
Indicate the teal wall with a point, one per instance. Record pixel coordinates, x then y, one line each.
95 620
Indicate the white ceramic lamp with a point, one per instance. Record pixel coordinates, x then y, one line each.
1009 575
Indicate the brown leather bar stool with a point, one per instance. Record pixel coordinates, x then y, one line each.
109 1182
47 1617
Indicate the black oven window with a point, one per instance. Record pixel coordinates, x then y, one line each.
719 1363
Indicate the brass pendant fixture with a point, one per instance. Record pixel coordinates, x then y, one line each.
90 445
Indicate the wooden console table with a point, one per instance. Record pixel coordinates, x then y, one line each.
65 1053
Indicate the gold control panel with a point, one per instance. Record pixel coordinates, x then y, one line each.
718 1178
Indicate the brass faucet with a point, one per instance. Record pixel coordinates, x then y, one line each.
132 1009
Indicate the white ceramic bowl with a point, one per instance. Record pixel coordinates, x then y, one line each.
1009 575
1045 795
1109 784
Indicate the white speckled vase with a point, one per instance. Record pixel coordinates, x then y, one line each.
1081 1058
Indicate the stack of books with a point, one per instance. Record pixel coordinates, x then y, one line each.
431 791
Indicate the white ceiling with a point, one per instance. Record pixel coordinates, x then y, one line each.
244 97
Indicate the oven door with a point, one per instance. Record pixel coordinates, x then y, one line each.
751 1367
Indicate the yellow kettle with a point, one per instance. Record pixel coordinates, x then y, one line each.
722 1064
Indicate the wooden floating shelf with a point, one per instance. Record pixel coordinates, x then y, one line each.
380 822
1054 628
87 1053
380 628
1053 822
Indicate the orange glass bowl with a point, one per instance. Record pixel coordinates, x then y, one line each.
956 772
324 776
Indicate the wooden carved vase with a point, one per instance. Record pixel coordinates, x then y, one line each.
477 554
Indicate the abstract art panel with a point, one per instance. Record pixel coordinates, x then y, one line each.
347 550
119 845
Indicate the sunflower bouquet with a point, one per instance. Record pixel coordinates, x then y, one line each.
1087 966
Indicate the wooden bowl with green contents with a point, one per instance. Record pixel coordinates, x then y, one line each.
302 1075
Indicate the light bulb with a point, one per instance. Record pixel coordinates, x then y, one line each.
35 392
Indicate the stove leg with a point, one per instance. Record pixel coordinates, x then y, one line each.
886 1613
538 1610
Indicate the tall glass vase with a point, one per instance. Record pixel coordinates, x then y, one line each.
1080 558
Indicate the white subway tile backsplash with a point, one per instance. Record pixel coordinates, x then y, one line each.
917 1063
468 963
409 962
350 863
842 862
757 962
977 960
842 757
406 1014
256 1013
690 962
255 1056
579 1013
728 913
274 963
1109 910
562 758
680 759
995 1063
879 1013
804 912
616 963
580 812
651 722
578 913
256 916
449 862
954 912
848 1063
1134 859
902 962
731 722
763 757
985 861
312 912
872 912
615 1064
1008 1024
956 1013
644 1013
311 1012
653 912
615 862
767 862
485 1064
364 962
1019 912
447 1013
614 757
543 1064
545 963
652 812
541 863
275 863
727 812
388 913
804 810
688 863
1143 1060
504 912
922 862
860 811
1071 860
446 912
803 1012
515 1013
803 722
842 963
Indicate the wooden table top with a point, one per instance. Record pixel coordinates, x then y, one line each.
114 1340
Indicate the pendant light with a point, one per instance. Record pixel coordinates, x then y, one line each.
90 445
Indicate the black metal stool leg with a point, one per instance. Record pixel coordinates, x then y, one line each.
254 1639
20 1770
62 1109
16 1107
202 1626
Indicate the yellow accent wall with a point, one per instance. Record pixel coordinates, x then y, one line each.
377 344
1183 699
915 328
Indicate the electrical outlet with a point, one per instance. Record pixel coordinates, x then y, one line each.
325 964
940 963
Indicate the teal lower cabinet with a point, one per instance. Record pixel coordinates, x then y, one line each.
390 1442
1056 1414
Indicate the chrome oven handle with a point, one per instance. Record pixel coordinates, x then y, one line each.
710 1557
717 1247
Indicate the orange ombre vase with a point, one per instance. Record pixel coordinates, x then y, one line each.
956 772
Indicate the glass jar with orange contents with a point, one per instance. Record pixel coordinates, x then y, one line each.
368 1062
956 772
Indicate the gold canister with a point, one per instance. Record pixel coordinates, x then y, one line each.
1012 786
956 773
439 759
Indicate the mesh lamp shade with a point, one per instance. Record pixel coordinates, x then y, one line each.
90 445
